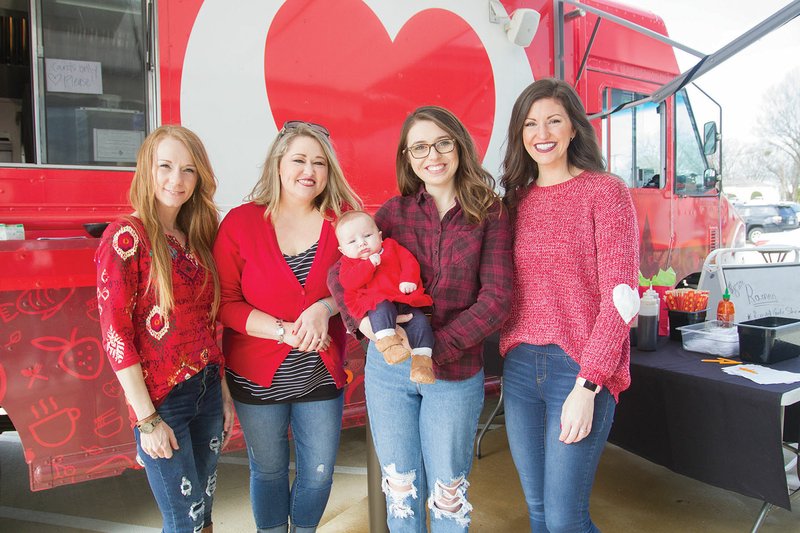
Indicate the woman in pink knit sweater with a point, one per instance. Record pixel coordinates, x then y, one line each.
566 345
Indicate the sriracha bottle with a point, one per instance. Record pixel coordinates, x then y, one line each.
725 310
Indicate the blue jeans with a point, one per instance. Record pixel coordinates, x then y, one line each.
423 437
184 484
418 329
316 426
556 478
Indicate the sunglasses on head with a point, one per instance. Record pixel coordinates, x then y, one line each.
294 124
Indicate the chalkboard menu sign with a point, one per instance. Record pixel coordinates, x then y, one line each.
757 290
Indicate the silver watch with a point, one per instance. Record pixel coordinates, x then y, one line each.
280 331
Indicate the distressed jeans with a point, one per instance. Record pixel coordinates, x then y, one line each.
316 426
184 484
556 478
424 436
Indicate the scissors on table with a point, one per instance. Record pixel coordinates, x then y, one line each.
721 360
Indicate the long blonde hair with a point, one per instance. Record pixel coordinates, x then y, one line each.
198 218
337 196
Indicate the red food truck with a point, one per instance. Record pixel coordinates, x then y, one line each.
83 82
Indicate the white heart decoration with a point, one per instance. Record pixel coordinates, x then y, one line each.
626 300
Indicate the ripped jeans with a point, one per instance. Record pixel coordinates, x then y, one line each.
184 484
424 436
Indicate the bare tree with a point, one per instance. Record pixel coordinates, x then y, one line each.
780 127
743 164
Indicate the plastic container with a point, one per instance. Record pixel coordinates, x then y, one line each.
769 339
683 318
710 337
647 324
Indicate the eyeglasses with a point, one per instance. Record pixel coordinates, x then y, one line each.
421 150
294 124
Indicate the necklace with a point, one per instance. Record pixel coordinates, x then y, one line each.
177 236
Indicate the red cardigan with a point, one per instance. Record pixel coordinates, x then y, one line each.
254 275
365 285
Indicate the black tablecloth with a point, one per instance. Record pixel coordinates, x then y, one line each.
694 419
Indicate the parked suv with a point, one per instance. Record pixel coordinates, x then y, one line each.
766 218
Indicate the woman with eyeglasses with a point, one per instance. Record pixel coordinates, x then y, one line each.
283 347
451 220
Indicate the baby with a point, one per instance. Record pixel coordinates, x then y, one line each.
376 275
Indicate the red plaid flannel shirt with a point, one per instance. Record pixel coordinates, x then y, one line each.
466 268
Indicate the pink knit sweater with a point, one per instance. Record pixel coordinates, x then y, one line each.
573 243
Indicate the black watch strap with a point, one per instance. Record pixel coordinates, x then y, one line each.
590 385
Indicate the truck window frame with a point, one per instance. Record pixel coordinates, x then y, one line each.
100 123
623 145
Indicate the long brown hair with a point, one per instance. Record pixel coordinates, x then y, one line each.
473 183
519 168
198 218
337 196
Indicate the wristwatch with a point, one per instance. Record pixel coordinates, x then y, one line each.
586 384
280 331
148 426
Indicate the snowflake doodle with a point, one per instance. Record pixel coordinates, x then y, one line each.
115 346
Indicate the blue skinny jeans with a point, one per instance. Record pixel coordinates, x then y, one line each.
316 426
556 478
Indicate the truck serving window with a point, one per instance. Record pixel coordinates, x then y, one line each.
78 95
631 140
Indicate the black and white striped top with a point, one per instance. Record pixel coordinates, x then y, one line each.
302 376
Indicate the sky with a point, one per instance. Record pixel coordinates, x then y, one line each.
740 83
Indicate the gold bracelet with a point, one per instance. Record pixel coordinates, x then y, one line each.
147 418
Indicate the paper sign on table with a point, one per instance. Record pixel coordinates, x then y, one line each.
762 375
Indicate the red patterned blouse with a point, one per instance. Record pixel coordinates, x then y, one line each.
170 348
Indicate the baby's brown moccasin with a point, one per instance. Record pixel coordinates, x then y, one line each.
392 349
422 370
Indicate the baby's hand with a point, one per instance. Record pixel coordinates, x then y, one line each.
376 259
407 287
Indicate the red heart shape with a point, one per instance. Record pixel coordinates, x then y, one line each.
381 80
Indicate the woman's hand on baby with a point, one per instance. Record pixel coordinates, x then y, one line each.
406 287
376 259
365 327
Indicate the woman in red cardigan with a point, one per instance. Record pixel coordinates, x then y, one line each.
283 350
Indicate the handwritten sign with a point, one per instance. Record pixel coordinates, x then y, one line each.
68 76
117 146
757 291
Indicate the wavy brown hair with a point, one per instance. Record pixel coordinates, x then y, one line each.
474 184
583 152
337 196
198 218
